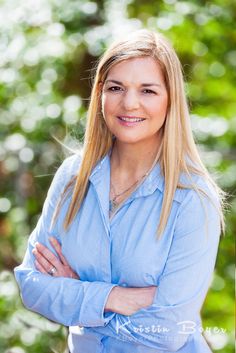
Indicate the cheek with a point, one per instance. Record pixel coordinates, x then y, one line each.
159 109
106 104
109 104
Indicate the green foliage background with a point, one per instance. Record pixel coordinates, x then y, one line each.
47 48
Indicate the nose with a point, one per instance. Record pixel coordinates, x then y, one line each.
131 100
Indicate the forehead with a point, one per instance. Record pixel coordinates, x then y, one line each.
136 69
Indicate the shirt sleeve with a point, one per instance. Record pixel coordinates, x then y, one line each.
181 289
63 300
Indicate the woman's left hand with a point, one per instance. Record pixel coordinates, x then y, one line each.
48 263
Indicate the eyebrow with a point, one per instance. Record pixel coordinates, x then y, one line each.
143 84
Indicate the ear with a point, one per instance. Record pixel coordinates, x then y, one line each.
100 85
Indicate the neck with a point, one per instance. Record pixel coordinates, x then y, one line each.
134 159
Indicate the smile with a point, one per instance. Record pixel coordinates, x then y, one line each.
130 119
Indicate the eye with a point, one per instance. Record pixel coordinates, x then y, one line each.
149 91
114 88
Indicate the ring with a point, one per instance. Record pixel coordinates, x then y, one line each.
52 271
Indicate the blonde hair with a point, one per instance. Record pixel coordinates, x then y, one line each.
176 130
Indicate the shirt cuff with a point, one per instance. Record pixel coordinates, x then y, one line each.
92 309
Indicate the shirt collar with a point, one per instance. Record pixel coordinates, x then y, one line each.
101 175
100 179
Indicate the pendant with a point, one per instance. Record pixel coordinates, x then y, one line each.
112 205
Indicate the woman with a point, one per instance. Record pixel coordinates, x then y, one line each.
128 253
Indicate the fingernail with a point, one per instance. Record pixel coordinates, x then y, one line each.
52 239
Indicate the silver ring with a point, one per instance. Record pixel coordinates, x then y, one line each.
52 271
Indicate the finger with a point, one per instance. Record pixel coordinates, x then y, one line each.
45 263
57 246
74 275
48 255
40 267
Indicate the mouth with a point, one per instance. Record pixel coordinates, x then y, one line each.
130 120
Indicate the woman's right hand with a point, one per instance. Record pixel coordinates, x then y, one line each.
127 301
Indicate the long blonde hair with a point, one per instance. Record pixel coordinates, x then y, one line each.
176 130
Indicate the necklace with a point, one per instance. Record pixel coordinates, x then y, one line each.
113 204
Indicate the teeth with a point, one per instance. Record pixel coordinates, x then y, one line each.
131 119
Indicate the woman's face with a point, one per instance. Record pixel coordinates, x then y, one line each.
134 100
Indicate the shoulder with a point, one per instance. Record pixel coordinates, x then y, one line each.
198 184
69 167
66 171
199 205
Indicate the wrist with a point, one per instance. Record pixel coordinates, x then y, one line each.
112 303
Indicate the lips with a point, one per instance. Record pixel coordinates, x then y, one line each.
130 119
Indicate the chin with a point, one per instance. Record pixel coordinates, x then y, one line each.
128 139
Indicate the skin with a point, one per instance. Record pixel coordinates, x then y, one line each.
124 94
45 260
135 146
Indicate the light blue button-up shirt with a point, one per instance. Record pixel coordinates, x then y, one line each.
123 250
